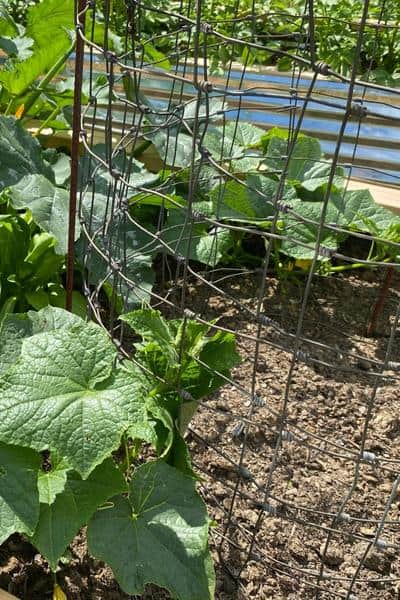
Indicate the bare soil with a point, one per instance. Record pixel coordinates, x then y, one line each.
334 406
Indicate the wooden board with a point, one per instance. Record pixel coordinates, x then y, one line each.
6 596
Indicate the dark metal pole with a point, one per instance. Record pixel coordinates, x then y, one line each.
80 15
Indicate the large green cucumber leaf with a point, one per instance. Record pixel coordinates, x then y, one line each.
15 238
48 204
15 327
244 134
206 371
306 233
75 403
357 208
52 318
253 202
72 506
304 155
20 154
174 148
131 170
156 535
196 241
152 327
316 178
19 496
59 163
123 242
48 25
52 481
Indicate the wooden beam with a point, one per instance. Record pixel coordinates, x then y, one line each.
6 596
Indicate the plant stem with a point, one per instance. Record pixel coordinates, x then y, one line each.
127 457
371 329
341 268
46 121
46 80
9 105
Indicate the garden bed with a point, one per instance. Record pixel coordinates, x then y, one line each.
324 402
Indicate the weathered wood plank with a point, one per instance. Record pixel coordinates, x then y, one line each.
6 596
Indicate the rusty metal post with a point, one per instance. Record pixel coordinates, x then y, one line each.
80 15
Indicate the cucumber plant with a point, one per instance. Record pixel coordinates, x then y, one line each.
72 406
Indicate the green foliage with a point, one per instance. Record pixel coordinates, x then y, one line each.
201 232
83 404
21 154
279 26
183 356
41 50
71 504
33 223
19 496
38 39
77 404
161 531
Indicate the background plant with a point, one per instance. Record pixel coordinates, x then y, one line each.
281 26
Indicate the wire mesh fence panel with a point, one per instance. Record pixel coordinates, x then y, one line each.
205 193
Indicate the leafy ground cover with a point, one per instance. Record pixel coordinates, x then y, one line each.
279 26
35 54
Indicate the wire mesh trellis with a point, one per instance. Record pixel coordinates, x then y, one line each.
298 453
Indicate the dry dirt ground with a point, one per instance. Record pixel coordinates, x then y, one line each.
294 548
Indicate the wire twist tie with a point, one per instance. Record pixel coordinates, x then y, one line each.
204 152
264 320
283 207
303 356
344 517
381 544
144 108
258 401
111 56
368 456
393 366
287 436
238 430
245 473
272 510
197 215
358 110
206 28
325 252
322 67
115 265
116 174
204 86
185 395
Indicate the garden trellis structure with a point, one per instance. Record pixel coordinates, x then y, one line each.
190 204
